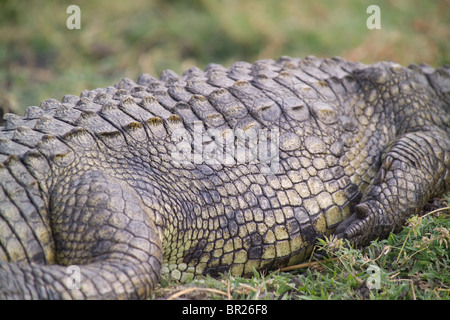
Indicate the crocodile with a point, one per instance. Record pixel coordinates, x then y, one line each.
217 170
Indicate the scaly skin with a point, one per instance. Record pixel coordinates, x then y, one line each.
94 181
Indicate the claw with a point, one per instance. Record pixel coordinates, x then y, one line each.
341 229
351 232
352 228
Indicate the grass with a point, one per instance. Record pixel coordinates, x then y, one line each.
411 265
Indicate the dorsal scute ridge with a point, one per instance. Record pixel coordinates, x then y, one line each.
52 126
218 96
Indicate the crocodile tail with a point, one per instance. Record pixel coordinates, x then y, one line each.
105 280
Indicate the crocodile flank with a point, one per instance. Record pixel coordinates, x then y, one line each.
217 170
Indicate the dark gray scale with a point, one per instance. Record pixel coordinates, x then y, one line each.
175 127
211 119
114 115
314 79
156 86
111 90
310 62
8 147
231 108
91 94
261 107
133 110
350 83
266 67
206 112
27 136
179 93
145 80
248 123
371 75
155 126
87 105
80 137
288 79
324 112
350 66
136 131
165 100
169 77
13 121
199 87
120 95
132 88
113 140
70 99
184 110
324 90
126 84
54 149
291 105
34 112
138 92
240 71
340 81
286 62
52 126
214 67
295 108
150 104
307 77
332 67
213 73
102 98
194 73
50 104
337 86
219 78
95 124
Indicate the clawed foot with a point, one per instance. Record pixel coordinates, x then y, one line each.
359 229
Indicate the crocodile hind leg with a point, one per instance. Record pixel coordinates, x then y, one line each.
414 169
103 229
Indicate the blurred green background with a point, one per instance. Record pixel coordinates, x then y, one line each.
41 58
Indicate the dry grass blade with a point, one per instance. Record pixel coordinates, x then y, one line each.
305 265
189 290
